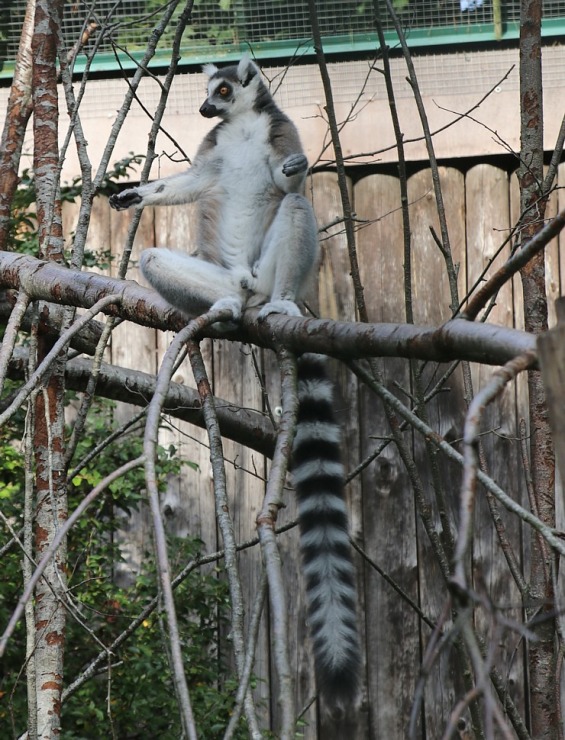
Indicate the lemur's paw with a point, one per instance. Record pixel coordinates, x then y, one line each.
233 304
294 164
125 199
281 305
245 278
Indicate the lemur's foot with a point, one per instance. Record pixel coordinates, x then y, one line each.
281 305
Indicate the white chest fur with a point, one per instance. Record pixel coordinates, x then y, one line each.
243 148
242 157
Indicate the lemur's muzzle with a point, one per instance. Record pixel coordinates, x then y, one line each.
208 110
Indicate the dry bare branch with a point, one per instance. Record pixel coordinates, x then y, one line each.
266 521
11 335
547 532
454 340
17 117
53 354
500 378
223 516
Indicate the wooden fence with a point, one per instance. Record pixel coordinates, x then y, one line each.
480 206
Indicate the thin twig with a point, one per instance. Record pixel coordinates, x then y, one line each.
224 519
340 167
92 668
11 334
436 642
180 26
253 634
150 450
548 533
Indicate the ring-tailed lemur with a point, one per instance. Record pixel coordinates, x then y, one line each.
257 245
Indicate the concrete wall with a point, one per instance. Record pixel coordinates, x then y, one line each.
451 84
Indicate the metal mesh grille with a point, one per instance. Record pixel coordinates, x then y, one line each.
222 23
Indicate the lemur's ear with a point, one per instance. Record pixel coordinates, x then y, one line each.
209 69
246 69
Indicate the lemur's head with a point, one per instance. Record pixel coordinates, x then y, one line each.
233 89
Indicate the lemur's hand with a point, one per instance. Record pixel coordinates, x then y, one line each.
125 199
294 164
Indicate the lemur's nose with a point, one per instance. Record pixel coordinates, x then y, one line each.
208 110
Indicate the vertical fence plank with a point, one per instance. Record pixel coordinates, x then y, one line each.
552 267
560 196
336 300
522 394
138 355
488 222
393 641
433 304
431 292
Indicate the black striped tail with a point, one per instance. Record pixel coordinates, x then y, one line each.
318 477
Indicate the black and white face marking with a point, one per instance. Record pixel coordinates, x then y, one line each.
229 88
220 96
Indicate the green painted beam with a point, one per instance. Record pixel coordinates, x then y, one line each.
442 37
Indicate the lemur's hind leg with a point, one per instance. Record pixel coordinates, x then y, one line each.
289 252
193 285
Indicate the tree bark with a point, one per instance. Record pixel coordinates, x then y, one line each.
50 477
17 117
542 652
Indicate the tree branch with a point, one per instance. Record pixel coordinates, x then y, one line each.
250 428
266 521
454 340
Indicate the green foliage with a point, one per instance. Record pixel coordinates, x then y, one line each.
142 700
11 469
22 233
212 22
137 698
220 23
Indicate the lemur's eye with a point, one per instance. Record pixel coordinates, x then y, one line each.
224 90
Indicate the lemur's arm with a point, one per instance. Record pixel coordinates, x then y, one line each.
287 161
171 191
184 188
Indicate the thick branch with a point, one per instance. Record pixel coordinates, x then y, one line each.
250 428
455 340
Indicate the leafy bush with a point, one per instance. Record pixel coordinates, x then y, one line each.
136 698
